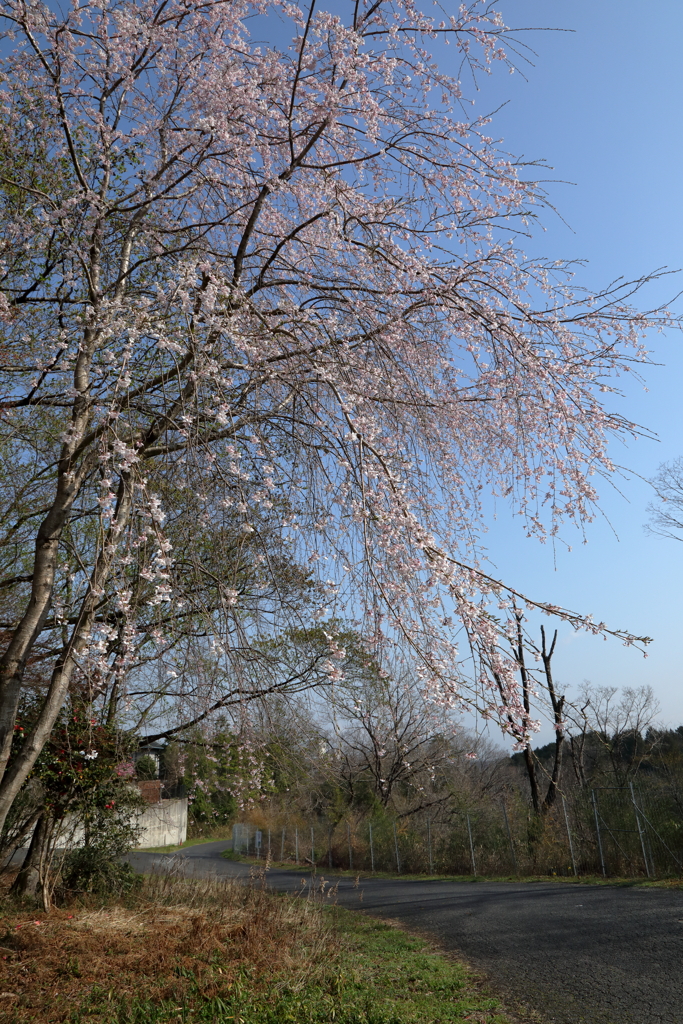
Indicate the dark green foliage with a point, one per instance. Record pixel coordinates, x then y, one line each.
217 807
146 768
78 765
109 832
93 869
620 754
80 780
211 770
544 754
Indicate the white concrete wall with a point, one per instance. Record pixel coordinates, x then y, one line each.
165 823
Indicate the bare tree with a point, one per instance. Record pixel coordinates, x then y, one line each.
385 730
613 728
666 513
538 687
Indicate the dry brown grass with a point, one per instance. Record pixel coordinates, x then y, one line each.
176 940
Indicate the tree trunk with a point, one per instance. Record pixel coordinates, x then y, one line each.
533 781
528 752
558 710
69 481
28 880
20 768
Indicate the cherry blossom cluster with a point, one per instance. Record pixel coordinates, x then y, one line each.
272 290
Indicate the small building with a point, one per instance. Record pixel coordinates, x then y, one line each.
155 750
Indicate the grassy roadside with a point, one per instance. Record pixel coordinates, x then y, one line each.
180 846
217 834
661 883
218 953
656 883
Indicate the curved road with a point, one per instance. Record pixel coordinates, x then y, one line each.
576 954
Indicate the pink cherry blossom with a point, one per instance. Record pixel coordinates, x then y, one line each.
277 279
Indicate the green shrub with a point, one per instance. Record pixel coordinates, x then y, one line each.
146 768
92 870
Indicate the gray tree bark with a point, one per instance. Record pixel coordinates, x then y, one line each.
28 880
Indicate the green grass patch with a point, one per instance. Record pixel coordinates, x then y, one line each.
376 974
198 841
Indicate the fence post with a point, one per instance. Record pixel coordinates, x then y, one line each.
597 828
640 829
649 844
512 845
569 837
282 847
429 846
296 845
469 833
348 840
269 853
398 859
312 848
329 845
372 850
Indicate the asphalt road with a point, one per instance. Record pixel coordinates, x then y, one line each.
573 953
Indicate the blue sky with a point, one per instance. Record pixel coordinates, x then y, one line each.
600 101
602 105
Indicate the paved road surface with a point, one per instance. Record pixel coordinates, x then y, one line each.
576 954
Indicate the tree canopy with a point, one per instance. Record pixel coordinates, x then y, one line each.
261 293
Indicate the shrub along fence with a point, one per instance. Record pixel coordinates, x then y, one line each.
611 831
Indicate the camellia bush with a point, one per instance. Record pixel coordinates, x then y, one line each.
267 339
80 794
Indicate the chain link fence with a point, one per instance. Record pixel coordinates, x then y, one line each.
618 831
